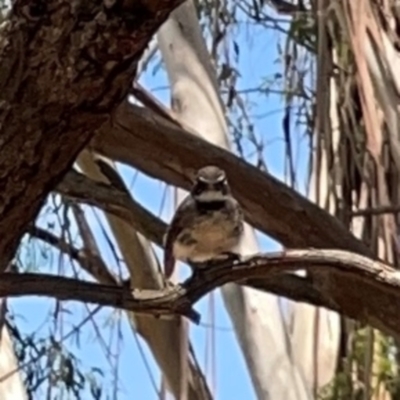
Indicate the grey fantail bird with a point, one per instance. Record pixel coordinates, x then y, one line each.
207 225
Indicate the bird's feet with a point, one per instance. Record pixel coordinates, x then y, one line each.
234 258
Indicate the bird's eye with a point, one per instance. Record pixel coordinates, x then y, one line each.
199 188
221 187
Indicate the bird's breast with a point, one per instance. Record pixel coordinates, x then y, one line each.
208 234
214 224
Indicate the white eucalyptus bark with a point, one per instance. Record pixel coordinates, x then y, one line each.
316 331
11 387
162 336
256 316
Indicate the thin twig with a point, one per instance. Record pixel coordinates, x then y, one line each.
115 201
394 209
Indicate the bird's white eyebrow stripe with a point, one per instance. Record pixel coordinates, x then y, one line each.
220 178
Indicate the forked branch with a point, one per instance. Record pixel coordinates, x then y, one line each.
355 285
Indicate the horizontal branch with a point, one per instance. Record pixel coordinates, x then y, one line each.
379 210
320 291
164 151
62 288
380 310
287 285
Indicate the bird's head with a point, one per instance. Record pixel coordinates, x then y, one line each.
211 185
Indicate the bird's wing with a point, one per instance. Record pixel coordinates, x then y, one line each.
175 227
169 259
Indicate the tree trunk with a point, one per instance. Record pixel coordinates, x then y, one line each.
255 315
11 385
59 82
316 331
162 336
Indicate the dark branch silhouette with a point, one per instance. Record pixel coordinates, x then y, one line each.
299 222
53 97
375 299
138 134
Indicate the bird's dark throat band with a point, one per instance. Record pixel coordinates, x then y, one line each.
206 206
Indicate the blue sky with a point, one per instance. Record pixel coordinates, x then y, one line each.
136 368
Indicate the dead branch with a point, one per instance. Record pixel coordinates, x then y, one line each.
375 299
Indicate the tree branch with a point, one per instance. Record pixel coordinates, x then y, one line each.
393 209
89 261
269 205
316 291
372 277
61 77
115 201
288 285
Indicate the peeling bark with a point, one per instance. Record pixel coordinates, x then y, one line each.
256 317
64 66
